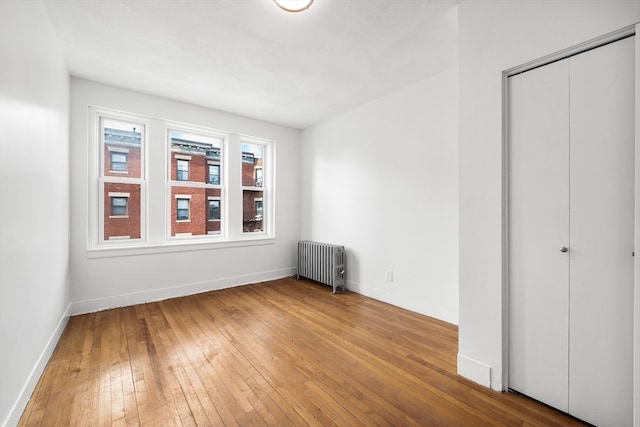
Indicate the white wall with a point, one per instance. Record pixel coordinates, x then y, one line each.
496 35
34 200
382 180
149 277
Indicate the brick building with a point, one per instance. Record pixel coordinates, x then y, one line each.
196 190
195 209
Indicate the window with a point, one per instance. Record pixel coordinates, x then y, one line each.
214 210
258 177
196 157
258 209
182 209
218 186
182 172
121 178
118 161
119 206
252 188
214 174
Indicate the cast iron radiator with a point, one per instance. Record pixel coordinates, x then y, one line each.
322 262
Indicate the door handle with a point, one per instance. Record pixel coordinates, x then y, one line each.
564 249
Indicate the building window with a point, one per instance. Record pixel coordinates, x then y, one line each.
253 156
259 209
214 210
182 171
119 206
258 177
214 174
182 209
118 161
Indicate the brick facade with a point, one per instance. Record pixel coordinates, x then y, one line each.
122 156
127 163
122 225
251 221
199 156
198 222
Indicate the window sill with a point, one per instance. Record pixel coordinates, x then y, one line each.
142 248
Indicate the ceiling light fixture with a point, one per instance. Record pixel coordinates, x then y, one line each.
293 5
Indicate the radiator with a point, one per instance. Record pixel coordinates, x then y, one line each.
322 262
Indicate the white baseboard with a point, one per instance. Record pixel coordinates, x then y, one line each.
34 376
475 371
422 307
98 304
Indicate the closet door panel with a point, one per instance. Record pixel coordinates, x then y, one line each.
601 221
538 228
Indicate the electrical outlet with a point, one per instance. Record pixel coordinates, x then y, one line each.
389 275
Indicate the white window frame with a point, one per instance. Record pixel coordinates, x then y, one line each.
206 132
96 169
155 221
267 187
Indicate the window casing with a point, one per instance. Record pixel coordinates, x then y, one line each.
253 191
197 156
202 168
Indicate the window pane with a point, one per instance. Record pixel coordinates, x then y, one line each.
258 177
190 210
252 208
252 160
118 162
182 172
214 209
122 148
118 206
201 150
122 210
214 174
182 209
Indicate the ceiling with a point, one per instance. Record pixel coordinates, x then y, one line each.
250 58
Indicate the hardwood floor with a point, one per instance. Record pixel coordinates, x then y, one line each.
279 353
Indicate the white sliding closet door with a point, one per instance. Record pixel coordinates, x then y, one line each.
539 227
602 210
571 219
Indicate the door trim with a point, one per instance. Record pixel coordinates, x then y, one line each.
545 60
636 286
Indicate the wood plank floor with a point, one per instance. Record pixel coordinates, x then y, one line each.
280 353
